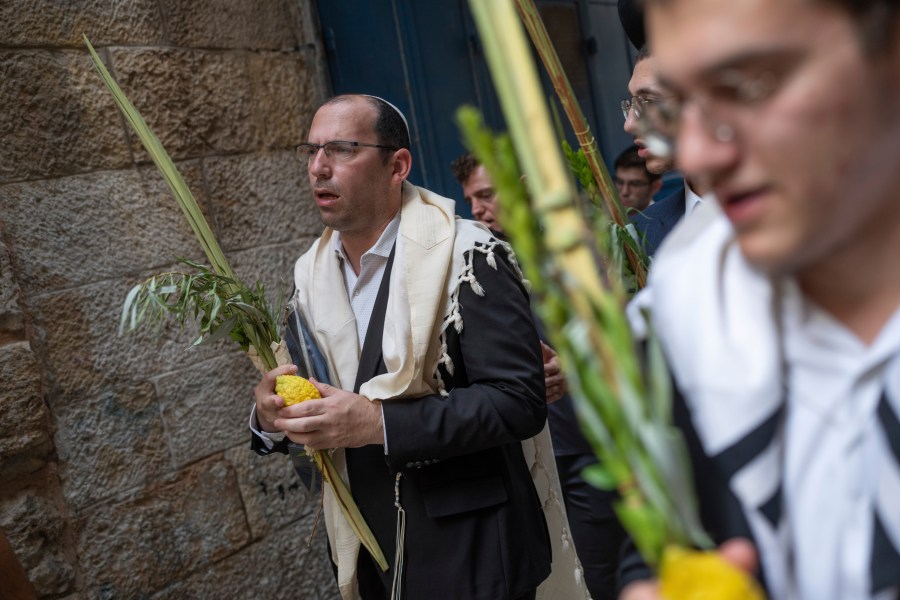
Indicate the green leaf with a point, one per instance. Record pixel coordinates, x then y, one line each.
599 477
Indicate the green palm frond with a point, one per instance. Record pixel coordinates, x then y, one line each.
623 399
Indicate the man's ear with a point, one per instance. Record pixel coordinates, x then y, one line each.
655 187
401 164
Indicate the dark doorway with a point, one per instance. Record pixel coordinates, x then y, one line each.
425 57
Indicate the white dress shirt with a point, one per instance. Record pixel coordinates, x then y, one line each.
833 450
362 290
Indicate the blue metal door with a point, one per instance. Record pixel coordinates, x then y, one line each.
425 57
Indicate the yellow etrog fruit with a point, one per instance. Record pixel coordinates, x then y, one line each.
295 389
695 575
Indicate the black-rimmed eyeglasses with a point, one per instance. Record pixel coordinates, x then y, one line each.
338 150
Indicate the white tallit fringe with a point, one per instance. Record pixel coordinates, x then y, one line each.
453 315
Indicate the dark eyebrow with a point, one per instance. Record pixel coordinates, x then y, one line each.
787 55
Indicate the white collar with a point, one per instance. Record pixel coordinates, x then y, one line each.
381 248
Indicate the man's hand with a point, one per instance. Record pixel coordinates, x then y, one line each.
740 552
554 379
267 401
341 419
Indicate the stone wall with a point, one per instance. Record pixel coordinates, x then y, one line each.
125 470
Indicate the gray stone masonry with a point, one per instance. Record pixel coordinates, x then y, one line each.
125 468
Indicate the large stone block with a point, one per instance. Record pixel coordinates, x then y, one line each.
77 332
31 518
214 398
285 97
280 567
53 23
57 117
232 24
143 544
272 492
24 419
261 199
78 230
110 443
198 102
273 266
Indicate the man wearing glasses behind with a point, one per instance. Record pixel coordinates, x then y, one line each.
781 318
436 370
658 220
636 184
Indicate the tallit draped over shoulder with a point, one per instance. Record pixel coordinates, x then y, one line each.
433 258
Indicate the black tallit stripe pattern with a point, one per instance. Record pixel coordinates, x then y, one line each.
743 451
891 425
885 565
771 509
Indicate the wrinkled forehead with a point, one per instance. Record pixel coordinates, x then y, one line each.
692 37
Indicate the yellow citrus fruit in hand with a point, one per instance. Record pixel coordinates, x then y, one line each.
697 575
295 389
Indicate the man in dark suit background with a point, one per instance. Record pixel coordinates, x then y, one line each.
596 530
427 321
654 223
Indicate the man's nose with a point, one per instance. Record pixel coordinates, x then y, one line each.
319 164
631 123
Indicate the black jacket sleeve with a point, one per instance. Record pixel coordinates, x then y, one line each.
497 394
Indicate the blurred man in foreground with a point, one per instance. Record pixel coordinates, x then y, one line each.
781 318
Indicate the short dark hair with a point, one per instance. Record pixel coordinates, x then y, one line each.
630 159
390 127
463 167
643 53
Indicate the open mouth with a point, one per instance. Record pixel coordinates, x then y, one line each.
742 207
325 196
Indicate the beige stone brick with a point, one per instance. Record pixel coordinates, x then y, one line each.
198 102
110 443
77 230
57 117
53 23
232 24
284 97
273 266
275 186
149 540
279 567
273 494
85 356
24 420
213 397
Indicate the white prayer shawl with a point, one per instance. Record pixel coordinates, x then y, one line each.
432 259
718 321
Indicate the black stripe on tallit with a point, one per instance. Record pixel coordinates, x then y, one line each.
771 508
891 425
742 452
885 565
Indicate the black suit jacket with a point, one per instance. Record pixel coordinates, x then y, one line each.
657 220
475 528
